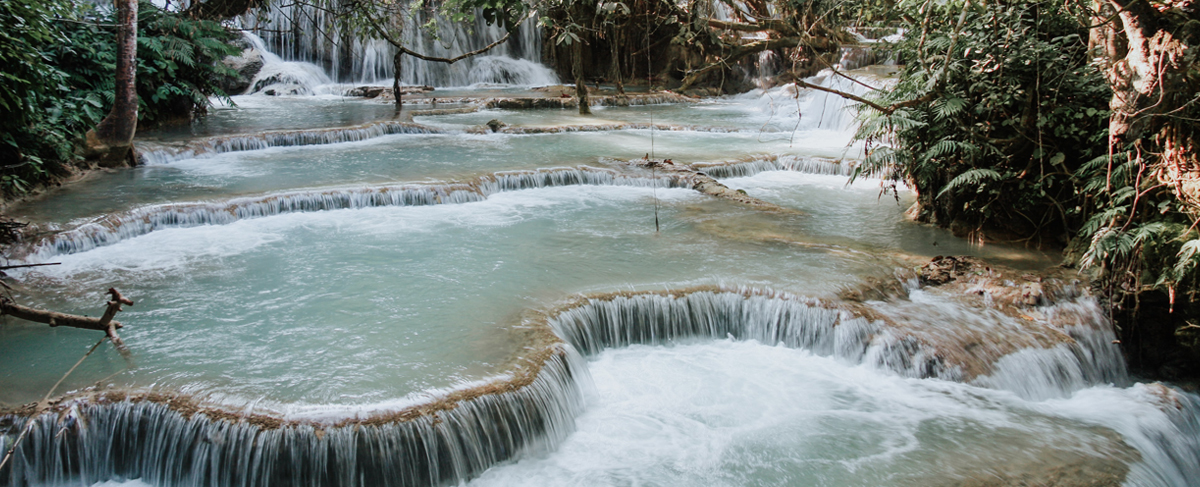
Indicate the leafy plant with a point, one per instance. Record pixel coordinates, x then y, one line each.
58 77
1007 114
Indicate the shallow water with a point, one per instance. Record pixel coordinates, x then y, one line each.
365 305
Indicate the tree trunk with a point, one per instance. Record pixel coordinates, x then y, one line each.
396 79
1151 78
111 142
1152 91
577 70
616 59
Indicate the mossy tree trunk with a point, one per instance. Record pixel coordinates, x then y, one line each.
110 143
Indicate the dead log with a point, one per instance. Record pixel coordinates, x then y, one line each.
54 318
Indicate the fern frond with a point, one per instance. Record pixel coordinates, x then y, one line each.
974 177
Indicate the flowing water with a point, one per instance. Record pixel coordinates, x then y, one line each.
354 300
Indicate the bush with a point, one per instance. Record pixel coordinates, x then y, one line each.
994 146
59 76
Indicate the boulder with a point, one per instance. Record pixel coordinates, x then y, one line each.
247 65
496 125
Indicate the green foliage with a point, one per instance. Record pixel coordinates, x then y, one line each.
1009 111
29 81
1009 139
59 75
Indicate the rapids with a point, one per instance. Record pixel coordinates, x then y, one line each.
329 296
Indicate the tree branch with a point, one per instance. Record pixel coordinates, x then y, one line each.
455 59
759 26
400 46
738 53
54 318
886 110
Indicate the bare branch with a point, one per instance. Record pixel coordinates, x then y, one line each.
54 318
759 26
457 58
886 110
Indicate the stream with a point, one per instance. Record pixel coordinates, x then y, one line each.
435 303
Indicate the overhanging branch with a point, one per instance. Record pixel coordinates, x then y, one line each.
886 110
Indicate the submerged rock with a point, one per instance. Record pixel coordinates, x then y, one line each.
496 125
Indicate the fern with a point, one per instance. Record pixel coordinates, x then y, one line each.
946 108
974 177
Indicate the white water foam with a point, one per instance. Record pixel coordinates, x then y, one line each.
743 413
279 77
506 71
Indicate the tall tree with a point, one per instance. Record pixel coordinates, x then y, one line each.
111 142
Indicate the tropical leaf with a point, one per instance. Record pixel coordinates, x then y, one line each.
974 177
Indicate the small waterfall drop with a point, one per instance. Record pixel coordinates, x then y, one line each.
801 108
279 77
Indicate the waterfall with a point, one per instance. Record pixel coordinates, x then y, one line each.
810 165
798 108
211 146
438 445
912 345
114 228
305 33
141 221
280 77
456 435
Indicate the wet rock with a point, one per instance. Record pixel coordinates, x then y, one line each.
279 84
247 65
496 125
942 270
366 91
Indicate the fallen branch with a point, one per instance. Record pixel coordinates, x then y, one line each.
104 323
54 318
7 267
779 26
738 53
43 405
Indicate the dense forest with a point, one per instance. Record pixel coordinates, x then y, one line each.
1068 125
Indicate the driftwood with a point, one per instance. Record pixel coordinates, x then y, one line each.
104 323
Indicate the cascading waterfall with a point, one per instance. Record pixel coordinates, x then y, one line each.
115 228
438 444
306 33
280 77
453 438
810 165
292 138
827 330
